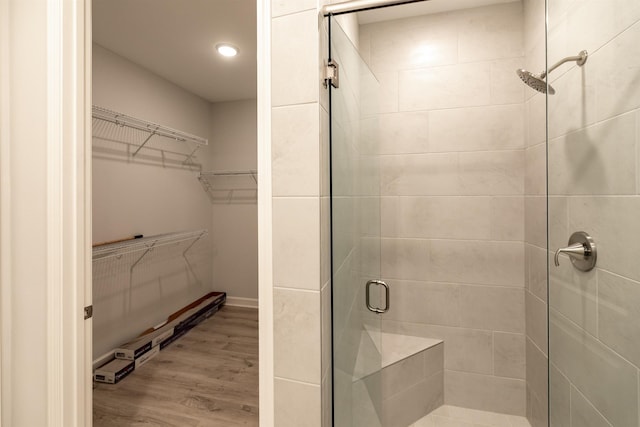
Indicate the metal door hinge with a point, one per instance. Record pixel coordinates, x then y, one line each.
88 312
332 74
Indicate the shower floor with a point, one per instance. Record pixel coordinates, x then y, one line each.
453 416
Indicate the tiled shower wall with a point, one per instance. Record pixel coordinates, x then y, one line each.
535 219
452 183
301 268
593 187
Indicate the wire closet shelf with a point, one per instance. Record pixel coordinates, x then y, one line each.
153 129
146 244
218 183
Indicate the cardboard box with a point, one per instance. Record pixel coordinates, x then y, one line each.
147 356
193 317
137 348
114 371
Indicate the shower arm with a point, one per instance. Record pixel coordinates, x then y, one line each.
580 58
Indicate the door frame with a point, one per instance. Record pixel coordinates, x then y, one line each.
65 46
265 253
51 39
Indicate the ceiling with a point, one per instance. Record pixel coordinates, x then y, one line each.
422 8
176 39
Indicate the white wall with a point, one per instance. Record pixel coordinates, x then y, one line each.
146 195
235 224
132 197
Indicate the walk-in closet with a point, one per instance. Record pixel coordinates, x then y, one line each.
175 269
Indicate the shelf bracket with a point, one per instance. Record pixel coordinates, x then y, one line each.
145 142
184 253
189 159
142 256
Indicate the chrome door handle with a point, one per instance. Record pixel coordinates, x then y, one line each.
368 297
581 250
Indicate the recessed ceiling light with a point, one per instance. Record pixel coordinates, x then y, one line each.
226 49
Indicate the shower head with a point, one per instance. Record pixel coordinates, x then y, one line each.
535 82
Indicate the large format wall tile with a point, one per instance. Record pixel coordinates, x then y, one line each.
452 86
592 24
583 413
459 344
597 160
535 221
536 320
489 263
296 243
491 33
293 61
437 217
405 259
492 308
608 381
535 181
397 133
296 331
484 392
421 302
468 218
448 174
297 404
423 41
285 7
419 175
560 395
499 127
406 407
494 173
505 89
573 293
536 369
295 151
618 314
509 355
537 259
613 223
618 74
575 106
453 183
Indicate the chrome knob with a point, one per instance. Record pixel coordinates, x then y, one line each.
581 250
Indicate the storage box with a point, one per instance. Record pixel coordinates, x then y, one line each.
114 371
135 349
193 317
147 356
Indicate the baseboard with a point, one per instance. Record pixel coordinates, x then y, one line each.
242 302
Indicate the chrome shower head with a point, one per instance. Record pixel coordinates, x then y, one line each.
535 82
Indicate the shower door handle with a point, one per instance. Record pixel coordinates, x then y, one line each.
368 296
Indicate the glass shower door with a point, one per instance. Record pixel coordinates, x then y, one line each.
594 315
355 214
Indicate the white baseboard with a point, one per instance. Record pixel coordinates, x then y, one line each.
242 302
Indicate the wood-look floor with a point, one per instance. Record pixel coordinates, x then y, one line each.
209 377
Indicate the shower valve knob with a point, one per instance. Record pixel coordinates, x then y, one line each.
581 250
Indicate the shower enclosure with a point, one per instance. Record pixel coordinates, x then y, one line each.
484 233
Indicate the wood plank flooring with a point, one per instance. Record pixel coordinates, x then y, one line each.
209 377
